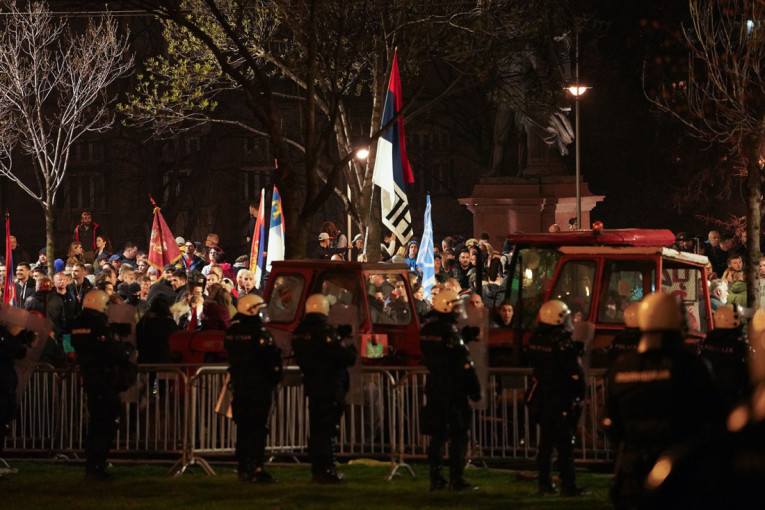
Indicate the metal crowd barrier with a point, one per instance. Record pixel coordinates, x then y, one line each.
171 411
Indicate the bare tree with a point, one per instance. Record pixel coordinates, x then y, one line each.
723 99
53 90
320 64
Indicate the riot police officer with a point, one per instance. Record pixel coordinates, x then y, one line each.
451 381
726 347
627 339
255 368
324 359
13 346
106 365
557 394
663 402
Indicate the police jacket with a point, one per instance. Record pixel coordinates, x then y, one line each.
11 348
323 358
626 340
256 361
99 355
559 377
452 374
661 397
727 349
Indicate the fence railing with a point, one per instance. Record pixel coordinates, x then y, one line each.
171 412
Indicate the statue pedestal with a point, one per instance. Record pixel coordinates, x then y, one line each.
503 205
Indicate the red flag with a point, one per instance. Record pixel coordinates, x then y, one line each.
256 251
163 249
9 289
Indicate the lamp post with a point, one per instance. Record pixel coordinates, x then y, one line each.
361 154
577 91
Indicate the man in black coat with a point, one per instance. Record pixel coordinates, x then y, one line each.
324 251
163 286
556 395
451 381
49 304
256 369
104 367
324 359
25 284
13 346
663 403
727 349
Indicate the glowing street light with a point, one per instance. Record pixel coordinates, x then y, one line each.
362 153
577 91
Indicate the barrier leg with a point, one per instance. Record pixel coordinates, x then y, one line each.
6 468
188 458
397 458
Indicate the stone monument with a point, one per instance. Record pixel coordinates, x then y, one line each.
539 195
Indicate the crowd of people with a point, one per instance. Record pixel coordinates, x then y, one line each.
202 291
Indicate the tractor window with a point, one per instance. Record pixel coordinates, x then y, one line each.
624 282
686 283
575 286
285 298
388 299
342 290
534 272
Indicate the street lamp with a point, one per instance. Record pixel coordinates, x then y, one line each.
360 154
577 91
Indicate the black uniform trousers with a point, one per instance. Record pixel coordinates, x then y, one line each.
447 421
104 410
251 416
325 412
7 413
556 432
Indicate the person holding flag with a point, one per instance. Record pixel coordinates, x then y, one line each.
163 249
392 170
257 253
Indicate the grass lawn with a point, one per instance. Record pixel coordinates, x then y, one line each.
137 486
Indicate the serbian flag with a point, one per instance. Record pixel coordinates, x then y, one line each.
425 256
256 251
163 249
392 170
9 289
275 249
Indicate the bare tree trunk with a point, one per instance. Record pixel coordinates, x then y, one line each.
50 239
753 227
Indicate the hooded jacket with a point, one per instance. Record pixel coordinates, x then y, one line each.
412 263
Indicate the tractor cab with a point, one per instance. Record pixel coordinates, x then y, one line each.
598 273
375 299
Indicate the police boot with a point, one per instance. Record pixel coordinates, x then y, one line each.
245 470
458 483
328 476
546 488
572 492
437 480
262 476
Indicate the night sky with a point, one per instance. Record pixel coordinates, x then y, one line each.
642 160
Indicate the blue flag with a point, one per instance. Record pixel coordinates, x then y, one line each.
425 255
275 249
